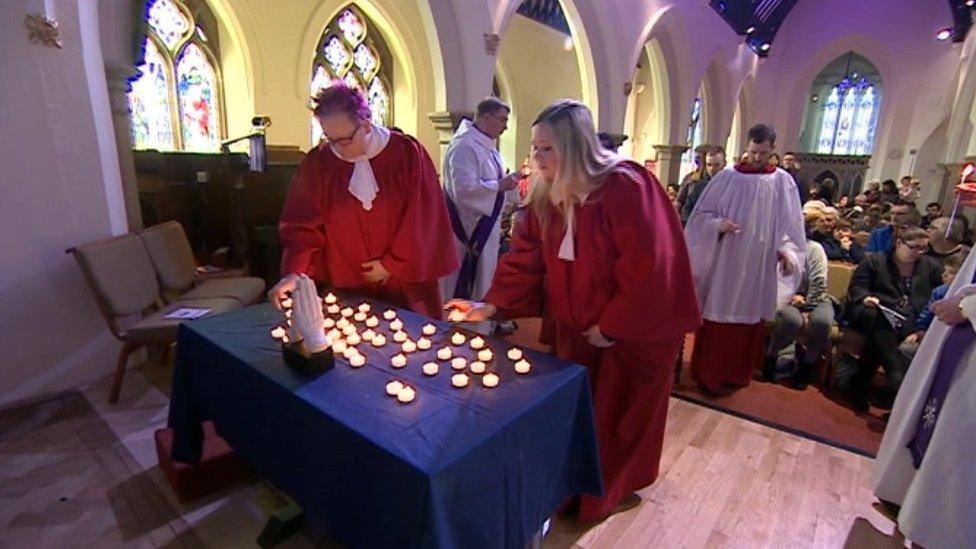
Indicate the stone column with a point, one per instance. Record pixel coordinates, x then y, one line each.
669 163
118 88
446 123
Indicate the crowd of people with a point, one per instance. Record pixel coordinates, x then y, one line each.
619 268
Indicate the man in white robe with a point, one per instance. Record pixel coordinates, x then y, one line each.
477 189
938 497
747 245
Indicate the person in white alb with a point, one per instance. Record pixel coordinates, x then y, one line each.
477 189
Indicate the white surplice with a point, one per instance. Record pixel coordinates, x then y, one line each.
938 500
736 274
472 170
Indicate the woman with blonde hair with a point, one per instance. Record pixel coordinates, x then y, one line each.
600 244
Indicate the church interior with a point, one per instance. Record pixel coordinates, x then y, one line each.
121 117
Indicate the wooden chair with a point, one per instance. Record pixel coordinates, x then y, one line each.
121 277
172 258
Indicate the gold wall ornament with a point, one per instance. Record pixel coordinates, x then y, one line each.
491 43
41 30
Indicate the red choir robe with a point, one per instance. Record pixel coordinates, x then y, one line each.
632 277
326 233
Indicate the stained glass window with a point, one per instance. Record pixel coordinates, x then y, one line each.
351 49
849 117
175 104
694 137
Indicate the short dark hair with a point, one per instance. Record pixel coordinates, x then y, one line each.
912 232
843 223
715 150
954 261
788 153
491 105
761 133
936 204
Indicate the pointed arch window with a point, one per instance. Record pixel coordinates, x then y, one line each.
849 117
176 103
351 49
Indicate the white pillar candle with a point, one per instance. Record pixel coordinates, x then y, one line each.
459 380
429 329
331 299
477 343
485 355
523 366
398 361
278 332
406 395
431 369
477 367
490 380
389 314
458 363
458 338
400 337
332 309
408 346
396 325
423 344
379 340
515 353
372 322
364 307
393 387
444 353
357 361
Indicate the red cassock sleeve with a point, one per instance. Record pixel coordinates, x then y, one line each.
302 223
423 246
654 291
517 289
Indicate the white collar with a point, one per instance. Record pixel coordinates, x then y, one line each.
363 184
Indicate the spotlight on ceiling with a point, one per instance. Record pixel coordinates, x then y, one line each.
815 98
751 30
944 34
970 3
765 46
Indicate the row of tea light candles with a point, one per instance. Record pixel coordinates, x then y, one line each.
343 332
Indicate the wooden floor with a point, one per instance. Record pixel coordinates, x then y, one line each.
79 473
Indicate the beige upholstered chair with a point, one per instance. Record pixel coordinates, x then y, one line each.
121 276
171 256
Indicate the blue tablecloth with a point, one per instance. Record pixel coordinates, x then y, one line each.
468 468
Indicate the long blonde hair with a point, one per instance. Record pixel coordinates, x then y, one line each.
583 162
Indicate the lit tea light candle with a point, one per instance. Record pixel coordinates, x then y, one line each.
398 361
332 309
278 332
389 314
429 329
396 325
522 366
490 380
455 315
379 340
485 355
458 363
393 387
458 338
400 337
334 335
329 324
349 330
339 347
477 367
372 322
359 317
477 343
342 323
288 313
286 303
444 353
350 352
348 312
368 335
331 299
364 307
515 353
423 344
459 380
357 361
288 322
285 339
431 369
354 339
408 346
406 395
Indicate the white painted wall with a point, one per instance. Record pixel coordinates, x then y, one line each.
60 188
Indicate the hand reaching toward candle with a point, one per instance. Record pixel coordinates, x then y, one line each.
375 272
473 311
280 291
307 315
596 338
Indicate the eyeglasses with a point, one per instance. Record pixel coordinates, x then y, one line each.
342 140
920 248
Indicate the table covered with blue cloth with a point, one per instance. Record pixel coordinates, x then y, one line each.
472 467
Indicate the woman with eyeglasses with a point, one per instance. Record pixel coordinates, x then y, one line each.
365 211
887 293
601 246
